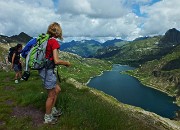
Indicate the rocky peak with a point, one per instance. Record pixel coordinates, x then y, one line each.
171 37
22 37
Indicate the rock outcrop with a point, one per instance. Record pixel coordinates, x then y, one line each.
171 38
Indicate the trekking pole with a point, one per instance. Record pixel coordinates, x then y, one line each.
59 78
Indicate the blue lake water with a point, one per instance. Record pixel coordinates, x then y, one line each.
129 90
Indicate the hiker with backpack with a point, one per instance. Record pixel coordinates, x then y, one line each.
14 58
47 73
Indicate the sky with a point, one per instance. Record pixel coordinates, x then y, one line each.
90 19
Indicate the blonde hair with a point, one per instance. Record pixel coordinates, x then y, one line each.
54 30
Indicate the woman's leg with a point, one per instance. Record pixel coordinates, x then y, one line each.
20 70
48 118
57 90
50 100
16 75
20 74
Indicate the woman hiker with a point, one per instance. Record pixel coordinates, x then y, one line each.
47 74
16 63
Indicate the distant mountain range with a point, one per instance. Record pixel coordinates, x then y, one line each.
84 48
135 52
141 38
140 51
114 42
88 48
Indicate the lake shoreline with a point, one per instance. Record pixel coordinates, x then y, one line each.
152 86
123 70
138 78
97 76
103 72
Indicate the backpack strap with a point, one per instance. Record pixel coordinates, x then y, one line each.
27 60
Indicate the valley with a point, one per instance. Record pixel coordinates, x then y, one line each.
156 59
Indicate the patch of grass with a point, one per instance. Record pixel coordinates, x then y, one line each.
82 69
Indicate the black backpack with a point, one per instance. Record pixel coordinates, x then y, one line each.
10 54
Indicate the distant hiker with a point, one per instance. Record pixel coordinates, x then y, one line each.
47 74
16 62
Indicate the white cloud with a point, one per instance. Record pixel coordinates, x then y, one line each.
89 18
97 18
32 18
93 8
161 17
81 25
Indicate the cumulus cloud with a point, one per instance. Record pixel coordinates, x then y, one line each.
32 17
160 17
90 18
94 8
124 27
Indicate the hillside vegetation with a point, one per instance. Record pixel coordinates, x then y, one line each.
163 74
133 53
82 68
88 48
141 50
84 48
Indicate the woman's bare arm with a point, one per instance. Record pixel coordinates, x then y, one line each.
57 61
12 62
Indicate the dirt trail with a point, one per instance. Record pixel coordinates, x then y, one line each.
35 114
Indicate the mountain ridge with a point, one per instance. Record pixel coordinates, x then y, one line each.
22 38
88 48
140 51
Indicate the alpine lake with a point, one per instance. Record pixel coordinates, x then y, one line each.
129 90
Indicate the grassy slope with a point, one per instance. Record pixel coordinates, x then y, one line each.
137 49
82 68
137 52
84 49
3 52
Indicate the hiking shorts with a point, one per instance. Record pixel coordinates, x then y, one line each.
48 77
17 67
